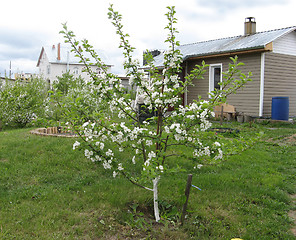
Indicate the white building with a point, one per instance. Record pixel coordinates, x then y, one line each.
56 60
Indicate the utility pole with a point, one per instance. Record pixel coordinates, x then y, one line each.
10 69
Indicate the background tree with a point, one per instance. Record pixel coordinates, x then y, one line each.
22 102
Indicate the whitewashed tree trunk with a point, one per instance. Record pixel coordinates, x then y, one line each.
155 198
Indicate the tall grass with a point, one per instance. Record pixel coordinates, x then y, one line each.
49 191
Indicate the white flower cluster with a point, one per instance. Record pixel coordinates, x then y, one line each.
180 132
76 145
215 151
162 91
121 106
96 139
172 58
198 111
151 155
198 166
202 152
160 167
152 163
125 136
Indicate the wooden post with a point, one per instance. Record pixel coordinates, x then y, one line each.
221 117
187 192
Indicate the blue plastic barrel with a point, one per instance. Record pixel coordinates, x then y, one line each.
280 108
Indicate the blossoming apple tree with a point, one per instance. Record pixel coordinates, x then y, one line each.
109 134
22 102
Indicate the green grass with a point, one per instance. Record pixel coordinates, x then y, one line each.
49 191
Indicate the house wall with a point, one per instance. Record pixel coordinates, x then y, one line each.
43 66
246 100
50 71
279 80
286 44
75 69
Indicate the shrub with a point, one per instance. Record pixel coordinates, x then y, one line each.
22 102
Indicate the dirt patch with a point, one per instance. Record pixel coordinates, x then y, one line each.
292 215
284 140
290 139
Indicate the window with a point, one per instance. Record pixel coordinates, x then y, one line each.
48 69
76 71
215 77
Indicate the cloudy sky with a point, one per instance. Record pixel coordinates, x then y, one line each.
26 26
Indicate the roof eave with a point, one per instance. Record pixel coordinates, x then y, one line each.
257 49
42 50
264 48
80 64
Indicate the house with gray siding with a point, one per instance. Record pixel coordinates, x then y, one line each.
269 55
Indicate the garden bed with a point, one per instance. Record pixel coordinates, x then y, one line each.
54 132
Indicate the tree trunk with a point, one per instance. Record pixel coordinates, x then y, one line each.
155 198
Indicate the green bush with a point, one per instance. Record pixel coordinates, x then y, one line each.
22 102
71 99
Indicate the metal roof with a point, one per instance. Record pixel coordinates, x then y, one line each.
228 45
66 56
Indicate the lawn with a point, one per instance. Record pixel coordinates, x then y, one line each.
49 191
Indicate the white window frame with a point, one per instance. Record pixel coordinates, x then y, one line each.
76 70
211 75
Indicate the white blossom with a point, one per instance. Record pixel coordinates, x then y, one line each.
220 154
167 129
115 174
109 153
151 155
85 124
198 166
120 168
100 144
76 144
88 153
131 80
107 164
160 167
133 160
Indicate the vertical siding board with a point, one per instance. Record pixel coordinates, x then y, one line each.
280 80
247 99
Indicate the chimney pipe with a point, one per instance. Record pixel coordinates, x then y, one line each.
250 26
59 52
154 53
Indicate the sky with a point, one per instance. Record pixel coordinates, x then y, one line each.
27 26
